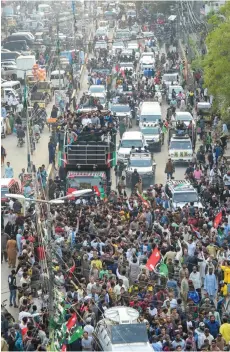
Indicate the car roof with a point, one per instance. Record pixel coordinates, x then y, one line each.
140 156
97 85
183 113
9 83
176 86
180 185
57 72
132 134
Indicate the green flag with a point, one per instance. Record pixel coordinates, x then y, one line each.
163 269
77 333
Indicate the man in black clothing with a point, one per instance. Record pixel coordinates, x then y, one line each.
134 179
12 288
189 170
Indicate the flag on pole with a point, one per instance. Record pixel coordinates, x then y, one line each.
163 269
218 219
75 335
72 321
153 259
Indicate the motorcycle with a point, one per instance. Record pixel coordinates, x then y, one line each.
37 137
20 142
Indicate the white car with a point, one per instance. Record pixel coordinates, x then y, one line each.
95 89
185 117
117 46
180 149
130 139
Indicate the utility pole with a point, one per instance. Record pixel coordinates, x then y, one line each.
58 54
25 97
75 40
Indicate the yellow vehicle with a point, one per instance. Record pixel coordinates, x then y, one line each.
30 80
46 88
40 98
204 109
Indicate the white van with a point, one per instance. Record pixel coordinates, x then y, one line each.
150 112
12 86
130 139
44 8
54 79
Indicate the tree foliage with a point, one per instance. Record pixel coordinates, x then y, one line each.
216 63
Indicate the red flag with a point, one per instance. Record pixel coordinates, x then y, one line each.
218 219
72 321
71 271
153 259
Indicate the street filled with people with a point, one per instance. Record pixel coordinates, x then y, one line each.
103 253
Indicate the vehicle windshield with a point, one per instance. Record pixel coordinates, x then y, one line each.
177 89
101 32
120 108
81 182
129 334
140 163
170 78
100 45
126 65
96 89
122 35
126 143
57 76
118 44
43 85
184 118
102 100
4 191
203 110
185 197
180 145
150 118
150 130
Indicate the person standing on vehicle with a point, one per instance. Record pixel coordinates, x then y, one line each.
118 171
169 169
9 172
12 288
134 179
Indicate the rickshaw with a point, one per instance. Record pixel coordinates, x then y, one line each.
204 109
30 80
46 88
39 98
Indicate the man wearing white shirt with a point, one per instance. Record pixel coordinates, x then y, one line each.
117 288
80 201
90 285
196 279
191 247
123 278
86 121
23 314
226 179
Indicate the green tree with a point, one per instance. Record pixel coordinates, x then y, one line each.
216 63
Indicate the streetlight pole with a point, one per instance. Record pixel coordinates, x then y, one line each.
58 52
29 169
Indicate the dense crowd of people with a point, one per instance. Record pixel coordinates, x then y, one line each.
101 252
